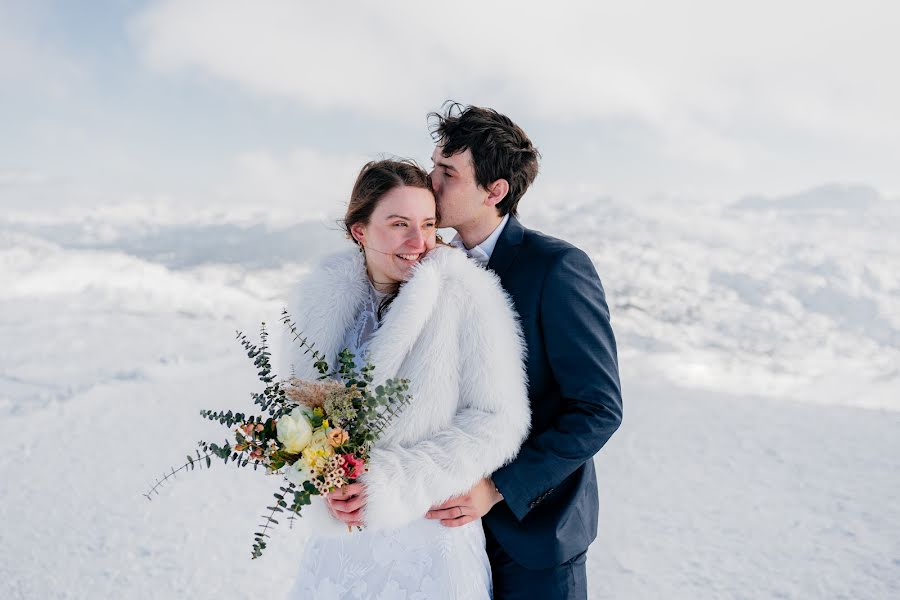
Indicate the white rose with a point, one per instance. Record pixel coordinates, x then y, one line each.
298 473
294 431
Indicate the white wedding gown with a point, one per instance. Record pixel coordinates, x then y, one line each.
421 561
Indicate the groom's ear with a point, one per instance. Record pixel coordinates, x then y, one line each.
497 191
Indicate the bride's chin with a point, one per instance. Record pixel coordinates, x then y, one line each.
406 272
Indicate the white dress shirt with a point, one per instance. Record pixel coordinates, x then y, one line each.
482 252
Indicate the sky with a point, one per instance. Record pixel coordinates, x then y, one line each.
197 110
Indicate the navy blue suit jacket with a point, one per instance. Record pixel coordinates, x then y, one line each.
549 512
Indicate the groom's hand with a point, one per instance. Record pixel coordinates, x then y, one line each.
347 503
464 509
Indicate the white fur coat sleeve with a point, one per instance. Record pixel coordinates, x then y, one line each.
491 406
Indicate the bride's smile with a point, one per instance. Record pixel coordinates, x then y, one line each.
400 231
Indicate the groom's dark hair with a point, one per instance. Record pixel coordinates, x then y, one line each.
500 149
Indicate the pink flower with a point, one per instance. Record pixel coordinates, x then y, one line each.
355 467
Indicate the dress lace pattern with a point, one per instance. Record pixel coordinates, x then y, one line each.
422 561
360 333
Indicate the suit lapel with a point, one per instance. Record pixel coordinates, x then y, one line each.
507 247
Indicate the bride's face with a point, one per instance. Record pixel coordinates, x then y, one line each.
399 233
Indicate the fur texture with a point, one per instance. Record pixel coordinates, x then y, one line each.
453 333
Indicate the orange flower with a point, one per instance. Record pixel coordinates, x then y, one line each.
337 437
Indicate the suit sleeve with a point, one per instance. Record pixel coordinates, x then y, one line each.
488 428
581 351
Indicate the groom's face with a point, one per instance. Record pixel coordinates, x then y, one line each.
460 200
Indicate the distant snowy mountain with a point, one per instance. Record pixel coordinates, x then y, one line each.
802 301
835 196
796 296
181 246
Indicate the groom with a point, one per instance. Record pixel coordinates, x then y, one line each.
540 511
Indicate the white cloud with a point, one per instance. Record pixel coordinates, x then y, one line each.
257 186
21 177
695 71
302 185
30 62
322 54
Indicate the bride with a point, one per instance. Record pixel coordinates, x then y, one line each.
419 310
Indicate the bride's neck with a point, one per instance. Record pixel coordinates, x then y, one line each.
383 287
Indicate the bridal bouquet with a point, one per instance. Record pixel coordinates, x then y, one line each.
315 434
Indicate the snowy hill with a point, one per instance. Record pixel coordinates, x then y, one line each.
749 301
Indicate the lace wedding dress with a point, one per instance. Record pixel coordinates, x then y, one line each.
421 561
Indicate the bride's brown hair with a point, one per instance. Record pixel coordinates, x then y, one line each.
374 181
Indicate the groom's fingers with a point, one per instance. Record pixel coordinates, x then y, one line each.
464 520
454 512
457 501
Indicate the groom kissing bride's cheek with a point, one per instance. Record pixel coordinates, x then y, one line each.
484 486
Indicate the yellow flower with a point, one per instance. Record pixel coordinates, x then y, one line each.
318 451
325 424
319 441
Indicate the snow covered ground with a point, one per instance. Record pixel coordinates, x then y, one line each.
760 353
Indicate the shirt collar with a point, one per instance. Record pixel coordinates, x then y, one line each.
483 251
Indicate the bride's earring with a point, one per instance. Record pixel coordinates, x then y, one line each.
356 241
